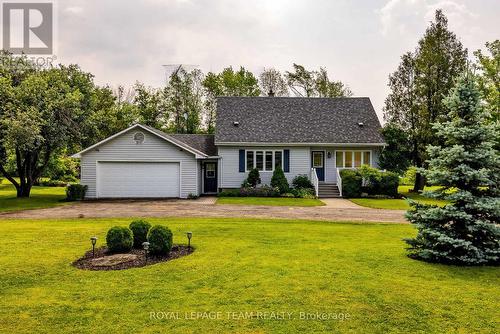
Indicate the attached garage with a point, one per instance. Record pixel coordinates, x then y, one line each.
138 179
142 162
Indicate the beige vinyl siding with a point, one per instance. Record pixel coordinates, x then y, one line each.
124 148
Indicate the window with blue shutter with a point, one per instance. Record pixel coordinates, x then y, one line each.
286 161
242 161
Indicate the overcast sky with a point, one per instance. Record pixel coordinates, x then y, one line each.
359 42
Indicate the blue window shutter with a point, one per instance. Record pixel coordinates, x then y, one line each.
286 161
242 161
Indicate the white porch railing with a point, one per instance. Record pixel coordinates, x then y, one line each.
339 181
315 181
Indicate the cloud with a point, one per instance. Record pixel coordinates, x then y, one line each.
402 17
73 10
124 41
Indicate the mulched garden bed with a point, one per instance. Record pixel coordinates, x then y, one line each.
133 259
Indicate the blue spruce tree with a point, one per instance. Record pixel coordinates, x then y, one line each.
467 166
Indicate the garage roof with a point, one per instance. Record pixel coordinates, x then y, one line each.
170 138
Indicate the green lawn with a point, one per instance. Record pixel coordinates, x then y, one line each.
240 265
41 197
397 204
272 201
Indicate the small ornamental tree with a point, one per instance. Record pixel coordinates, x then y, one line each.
279 181
467 166
253 178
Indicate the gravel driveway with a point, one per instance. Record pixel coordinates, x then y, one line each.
206 207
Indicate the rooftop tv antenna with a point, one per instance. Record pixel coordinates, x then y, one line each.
173 69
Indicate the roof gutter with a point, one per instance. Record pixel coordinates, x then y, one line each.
297 144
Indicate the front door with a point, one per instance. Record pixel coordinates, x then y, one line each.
318 162
210 177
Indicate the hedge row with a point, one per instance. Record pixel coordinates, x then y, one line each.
370 181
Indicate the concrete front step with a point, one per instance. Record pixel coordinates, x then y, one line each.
328 190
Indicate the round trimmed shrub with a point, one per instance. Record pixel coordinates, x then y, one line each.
140 230
119 239
160 240
75 192
302 181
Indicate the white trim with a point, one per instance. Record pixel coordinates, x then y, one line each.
297 144
97 186
180 179
197 178
197 153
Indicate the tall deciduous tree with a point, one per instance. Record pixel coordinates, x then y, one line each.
213 88
151 106
419 84
307 83
489 77
184 100
42 112
226 83
233 83
271 80
301 81
402 115
467 166
326 88
109 116
396 156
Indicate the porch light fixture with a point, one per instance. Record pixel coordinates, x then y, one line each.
189 236
93 240
145 245
329 154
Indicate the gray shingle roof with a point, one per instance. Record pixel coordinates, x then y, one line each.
200 142
296 120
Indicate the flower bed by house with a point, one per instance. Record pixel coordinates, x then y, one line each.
279 187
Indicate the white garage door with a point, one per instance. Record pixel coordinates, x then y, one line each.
137 179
